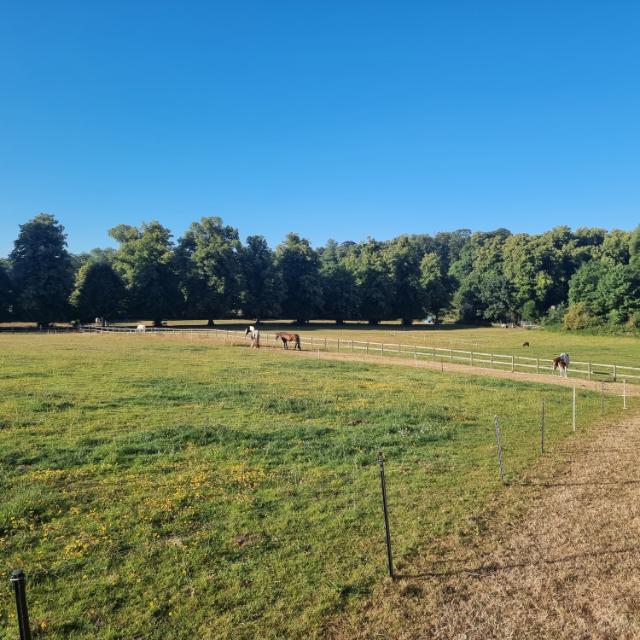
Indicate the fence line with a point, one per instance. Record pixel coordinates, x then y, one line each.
589 370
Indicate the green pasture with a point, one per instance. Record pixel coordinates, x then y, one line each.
156 488
543 343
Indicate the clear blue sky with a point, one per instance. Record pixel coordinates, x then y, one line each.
332 119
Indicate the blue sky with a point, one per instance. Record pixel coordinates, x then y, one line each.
331 119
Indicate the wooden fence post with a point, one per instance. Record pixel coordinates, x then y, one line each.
573 411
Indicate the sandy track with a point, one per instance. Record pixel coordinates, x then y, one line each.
569 569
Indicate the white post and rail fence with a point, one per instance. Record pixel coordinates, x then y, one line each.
584 370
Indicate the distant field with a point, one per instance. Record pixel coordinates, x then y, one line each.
623 350
154 488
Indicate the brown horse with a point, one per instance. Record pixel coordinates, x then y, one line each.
289 337
561 363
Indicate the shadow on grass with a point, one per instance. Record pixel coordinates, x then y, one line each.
493 568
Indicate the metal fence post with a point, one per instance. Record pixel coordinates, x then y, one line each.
499 445
18 582
542 427
387 533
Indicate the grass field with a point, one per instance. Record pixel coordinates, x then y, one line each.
544 344
154 488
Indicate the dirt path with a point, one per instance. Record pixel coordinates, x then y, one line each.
569 569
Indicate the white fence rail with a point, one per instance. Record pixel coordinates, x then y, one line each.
587 370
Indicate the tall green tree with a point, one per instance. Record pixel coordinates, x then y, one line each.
634 248
339 288
374 281
434 294
6 292
484 291
609 293
263 288
584 287
404 256
615 248
99 292
300 268
145 260
42 271
208 258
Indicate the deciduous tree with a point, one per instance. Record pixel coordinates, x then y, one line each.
42 271
208 259
145 260
263 288
99 292
299 266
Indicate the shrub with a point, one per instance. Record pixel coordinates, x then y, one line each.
578 317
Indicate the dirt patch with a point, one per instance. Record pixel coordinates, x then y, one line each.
569 569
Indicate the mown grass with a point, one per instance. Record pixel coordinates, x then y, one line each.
154 488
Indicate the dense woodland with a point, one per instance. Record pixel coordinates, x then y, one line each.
580 279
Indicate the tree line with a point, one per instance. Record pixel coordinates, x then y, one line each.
587 277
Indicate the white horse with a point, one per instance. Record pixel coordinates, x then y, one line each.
562 363
141 328
254 334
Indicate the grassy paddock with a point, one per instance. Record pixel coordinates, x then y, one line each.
154 488
544 344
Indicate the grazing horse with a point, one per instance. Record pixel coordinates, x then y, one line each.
254 334
561 363
525 344
289 337
141 328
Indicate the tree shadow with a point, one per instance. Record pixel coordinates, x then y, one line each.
596 483
493 568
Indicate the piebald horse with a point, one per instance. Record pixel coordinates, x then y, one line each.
254 334
289 337
561 363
